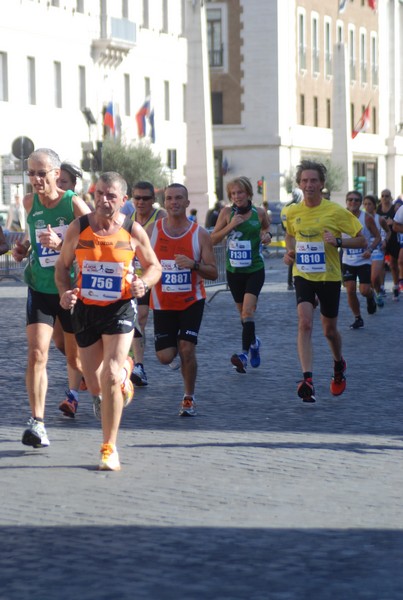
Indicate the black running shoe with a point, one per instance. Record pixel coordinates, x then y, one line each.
371 305
306 391
357 323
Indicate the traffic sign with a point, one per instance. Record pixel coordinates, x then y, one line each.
22 147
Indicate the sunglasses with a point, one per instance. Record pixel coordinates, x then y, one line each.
41 174
143 197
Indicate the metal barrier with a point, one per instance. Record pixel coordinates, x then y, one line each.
220 257
9 268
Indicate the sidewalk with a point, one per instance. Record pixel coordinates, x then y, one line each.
258 498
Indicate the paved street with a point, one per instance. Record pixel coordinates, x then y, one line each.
258 498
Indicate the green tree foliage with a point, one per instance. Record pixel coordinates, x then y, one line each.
134 163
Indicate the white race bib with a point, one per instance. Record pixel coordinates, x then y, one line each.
240 253
311 257
174 279
48 256
102 281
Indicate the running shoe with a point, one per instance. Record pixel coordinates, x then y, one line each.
383 291
96 406
127 386
338 383
396 293
306 390
255 354
138 376
379 301
69 405
109 458
357 323
35 435
188 407
371 305
175 364
400 286
240 362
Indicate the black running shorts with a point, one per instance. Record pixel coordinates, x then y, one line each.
171 325
91 322
44 308
327 292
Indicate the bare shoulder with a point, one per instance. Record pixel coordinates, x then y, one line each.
161 213
80 206
28 201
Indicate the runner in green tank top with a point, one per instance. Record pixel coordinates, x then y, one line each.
49 211
245 228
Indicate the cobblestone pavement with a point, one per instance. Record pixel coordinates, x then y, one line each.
259 497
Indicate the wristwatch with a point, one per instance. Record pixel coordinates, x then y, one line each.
146 288
338 242
196 266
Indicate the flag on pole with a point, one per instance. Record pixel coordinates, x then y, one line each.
141 115
363 124
151 124
342 5
109 117
372 4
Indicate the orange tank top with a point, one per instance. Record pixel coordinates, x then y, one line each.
178 288
105 264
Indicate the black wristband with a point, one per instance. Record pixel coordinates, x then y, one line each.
196 266
338 242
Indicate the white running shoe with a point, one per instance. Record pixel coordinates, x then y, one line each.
35 435
109 460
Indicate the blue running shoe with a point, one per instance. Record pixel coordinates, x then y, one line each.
240 362
255 354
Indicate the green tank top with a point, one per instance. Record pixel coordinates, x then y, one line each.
39 273
244 246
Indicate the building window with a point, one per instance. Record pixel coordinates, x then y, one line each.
374 60
315 111
31 80
146 20
340 33
328 49
217 108
363 57
125 9
3 77
80 6
165 16
374 124
184 103
55 3
82 87
301 42
214 37
57 72
328 113
126 85
315 45
183 17
352 116
147 86
302 109
351 55
167 108
171 158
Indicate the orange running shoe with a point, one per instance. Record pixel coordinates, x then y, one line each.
109 458
338 383
69 405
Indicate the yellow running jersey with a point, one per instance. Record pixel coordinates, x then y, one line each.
314 259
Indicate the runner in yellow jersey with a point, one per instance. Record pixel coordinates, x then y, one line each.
313 236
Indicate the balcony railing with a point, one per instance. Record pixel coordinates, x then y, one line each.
117 38
216 57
